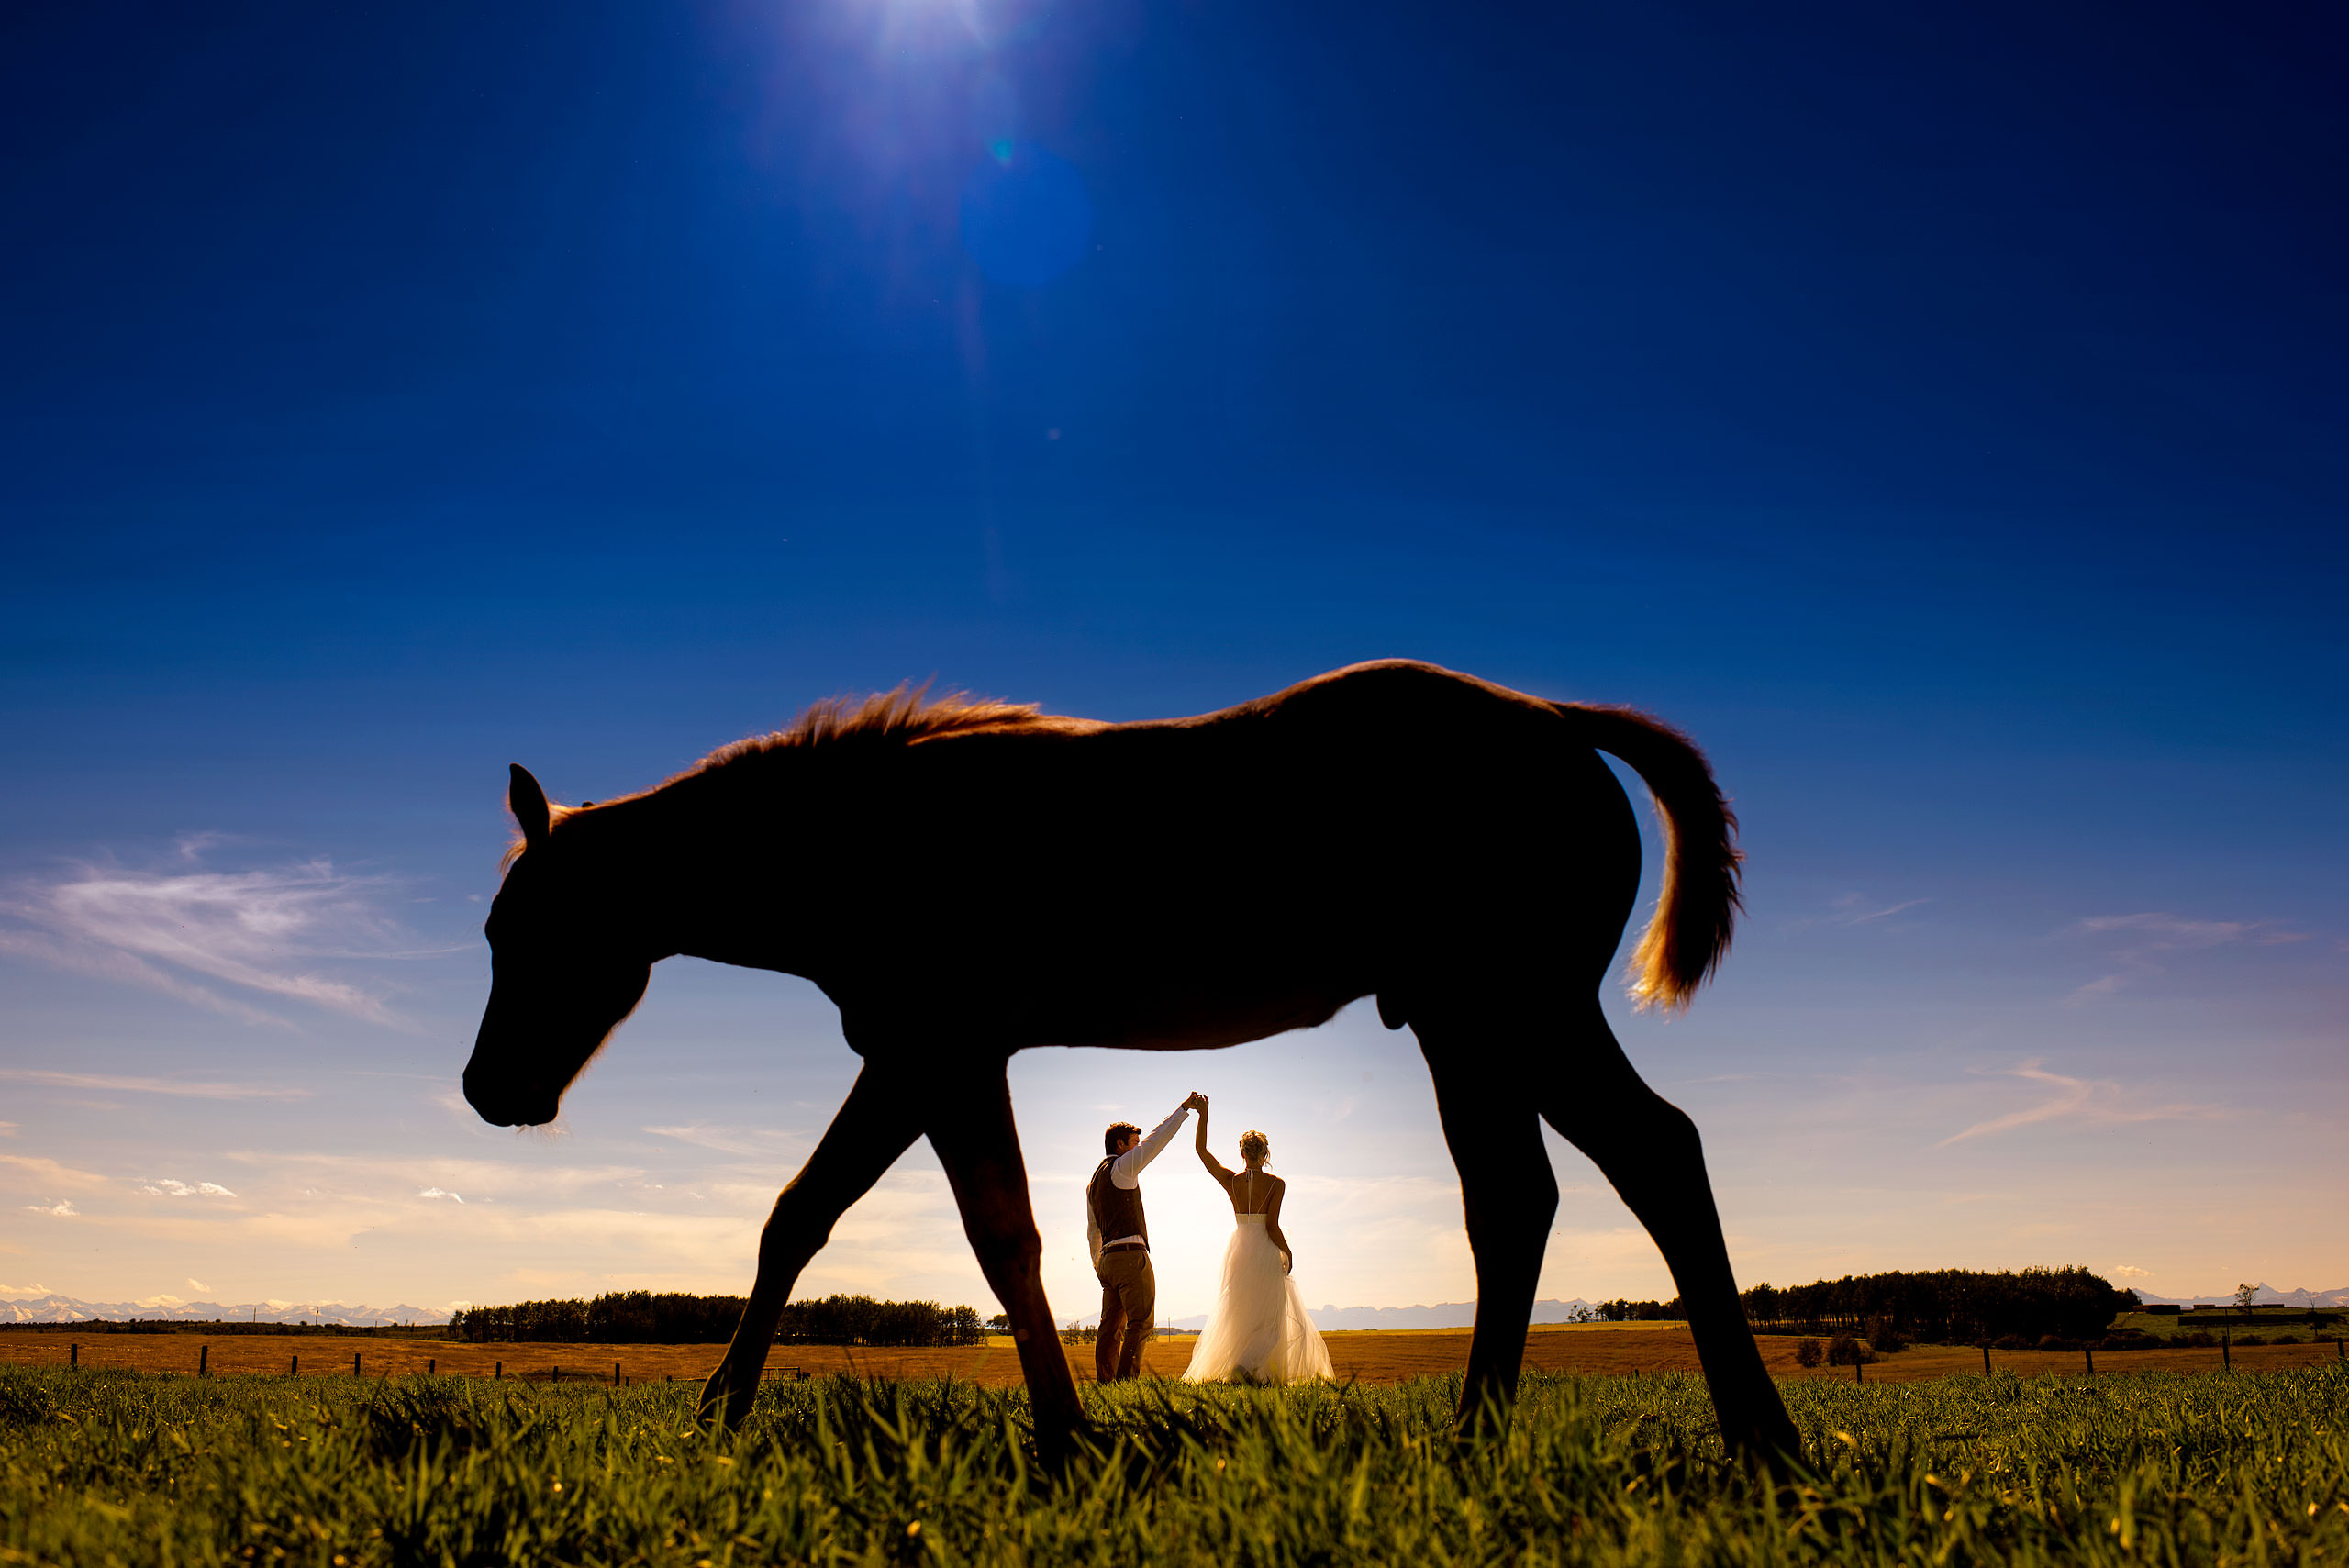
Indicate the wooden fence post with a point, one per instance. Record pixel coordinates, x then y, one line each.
1986 1358
354 1364
432 1367
2226 1353
1859 1373
296 1370
616 1374
73 1354
500 1373
203 1359
2089 1352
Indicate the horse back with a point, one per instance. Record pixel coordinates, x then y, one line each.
1202 879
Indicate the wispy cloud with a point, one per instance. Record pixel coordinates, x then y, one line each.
757 1141
2079 1099
42 1173
390 1180
200 1286
24 1290
2101 986
2127 1272
2146 934
440 1192
166 1187
1858 910
183 1088
2168 931
101 963
64 1208
1849 909
167 931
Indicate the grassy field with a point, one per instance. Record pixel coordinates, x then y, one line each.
1368 1356
116 1467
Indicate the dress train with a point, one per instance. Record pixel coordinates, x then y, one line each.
1258 1329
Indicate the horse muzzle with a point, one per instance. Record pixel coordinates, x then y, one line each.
507 1103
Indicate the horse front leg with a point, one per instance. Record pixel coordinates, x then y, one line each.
971 1129
874 1126
1649 1149
1509 1198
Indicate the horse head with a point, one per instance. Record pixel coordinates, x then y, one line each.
565 968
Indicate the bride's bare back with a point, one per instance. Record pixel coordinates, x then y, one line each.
1253 1190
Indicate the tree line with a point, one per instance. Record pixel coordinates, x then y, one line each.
1622 1311
1947 1307
641 1318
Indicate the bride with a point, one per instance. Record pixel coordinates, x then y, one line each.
1258 1329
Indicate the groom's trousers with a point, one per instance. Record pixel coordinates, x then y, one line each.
1129 1302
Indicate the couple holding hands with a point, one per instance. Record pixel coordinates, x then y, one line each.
1258 1331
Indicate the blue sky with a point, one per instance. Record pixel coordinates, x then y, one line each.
1936 413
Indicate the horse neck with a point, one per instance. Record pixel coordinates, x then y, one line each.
709 886
648 872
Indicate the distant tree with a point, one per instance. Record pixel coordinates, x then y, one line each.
2243 1293
1000 1323
961 1326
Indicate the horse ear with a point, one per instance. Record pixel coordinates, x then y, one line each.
527 802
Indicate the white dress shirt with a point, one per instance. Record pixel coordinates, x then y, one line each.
1126 1172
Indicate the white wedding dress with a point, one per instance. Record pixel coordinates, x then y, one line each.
1258 1331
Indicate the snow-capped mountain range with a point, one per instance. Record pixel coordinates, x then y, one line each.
56 1308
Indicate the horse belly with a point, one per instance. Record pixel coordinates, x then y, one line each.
1195 1020
1140 988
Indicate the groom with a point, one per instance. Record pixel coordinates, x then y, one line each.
1120 1242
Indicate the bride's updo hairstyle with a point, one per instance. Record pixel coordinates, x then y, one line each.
1255 1148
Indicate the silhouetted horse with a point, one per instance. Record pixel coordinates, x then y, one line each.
967 879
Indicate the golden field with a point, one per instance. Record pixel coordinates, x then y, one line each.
1367 1356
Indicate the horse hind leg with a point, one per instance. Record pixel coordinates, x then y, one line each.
874 1126
1649 1149
1509 1198
978 1143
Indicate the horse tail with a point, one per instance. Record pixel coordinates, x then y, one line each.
1699 899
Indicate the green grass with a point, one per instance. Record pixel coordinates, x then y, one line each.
104 1467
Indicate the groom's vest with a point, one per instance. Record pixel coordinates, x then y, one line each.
1117 1211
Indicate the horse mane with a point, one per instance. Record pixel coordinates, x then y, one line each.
906 716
